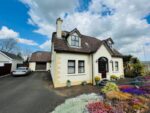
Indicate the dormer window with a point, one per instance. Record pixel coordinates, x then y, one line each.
74 41
109 44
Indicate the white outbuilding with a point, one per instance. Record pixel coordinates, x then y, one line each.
40 61
9 62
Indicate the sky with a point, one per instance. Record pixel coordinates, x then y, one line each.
32 22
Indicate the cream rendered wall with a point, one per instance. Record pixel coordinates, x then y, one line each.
103 52
61 69
32 65
120 72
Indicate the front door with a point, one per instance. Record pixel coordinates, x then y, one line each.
103 66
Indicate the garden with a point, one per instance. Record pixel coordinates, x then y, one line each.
112 98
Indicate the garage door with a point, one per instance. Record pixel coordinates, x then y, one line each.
41 66
5 69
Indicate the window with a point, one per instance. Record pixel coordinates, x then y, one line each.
109 44
116 66
75 41
71 66
81 66
112 66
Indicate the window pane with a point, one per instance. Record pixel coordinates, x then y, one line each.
81 63
71 70
77 44
71 66
75 41
77 38
81 70
71 63
112 66
73 37
116 66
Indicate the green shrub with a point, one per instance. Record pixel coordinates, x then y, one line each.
110 87
114 77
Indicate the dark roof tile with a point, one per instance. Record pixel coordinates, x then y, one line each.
88 44
40 56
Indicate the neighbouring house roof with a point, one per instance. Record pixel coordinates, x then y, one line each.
88 44
12 56
40 56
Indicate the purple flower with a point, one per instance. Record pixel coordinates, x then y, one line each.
134 91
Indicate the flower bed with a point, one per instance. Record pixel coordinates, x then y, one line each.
145 88
122 99
78 104
118 95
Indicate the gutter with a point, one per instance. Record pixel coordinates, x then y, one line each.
92 70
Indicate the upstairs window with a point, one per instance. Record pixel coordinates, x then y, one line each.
109 43
75 41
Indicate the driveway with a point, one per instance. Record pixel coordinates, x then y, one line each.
34 93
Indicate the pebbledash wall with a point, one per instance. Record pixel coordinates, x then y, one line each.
59 68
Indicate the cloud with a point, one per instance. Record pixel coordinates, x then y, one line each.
123 20
43 14
46 45
6 33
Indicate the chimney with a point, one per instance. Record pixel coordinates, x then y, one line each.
58 27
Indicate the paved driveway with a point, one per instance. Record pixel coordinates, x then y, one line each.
35 94
28 94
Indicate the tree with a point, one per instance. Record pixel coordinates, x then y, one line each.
132 66
8 45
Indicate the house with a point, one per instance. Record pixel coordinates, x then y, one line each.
9 62
78 58
40 61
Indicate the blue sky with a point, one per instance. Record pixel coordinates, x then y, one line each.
34 21
16 18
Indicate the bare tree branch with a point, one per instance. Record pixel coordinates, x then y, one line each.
8 45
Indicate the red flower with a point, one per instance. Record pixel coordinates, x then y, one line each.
99 107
